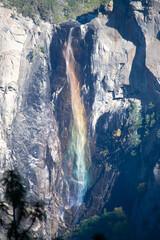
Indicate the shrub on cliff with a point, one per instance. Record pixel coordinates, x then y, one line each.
17 215
54 11
110 225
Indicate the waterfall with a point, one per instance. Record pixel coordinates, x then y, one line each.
77 151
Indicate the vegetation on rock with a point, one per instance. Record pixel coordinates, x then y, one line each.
134 124
54 11
110 226
116 145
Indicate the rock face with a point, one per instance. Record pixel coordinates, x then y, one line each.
117 64
126 73
28 135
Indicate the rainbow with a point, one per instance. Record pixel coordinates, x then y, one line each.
77 151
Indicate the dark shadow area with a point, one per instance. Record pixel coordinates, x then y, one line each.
141 81
129 193
58 75
58 82
83 19
86 77
158 35
49 162
123 20
86 18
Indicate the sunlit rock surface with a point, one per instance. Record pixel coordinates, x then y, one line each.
28 132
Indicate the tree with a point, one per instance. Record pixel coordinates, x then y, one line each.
17 215
98 236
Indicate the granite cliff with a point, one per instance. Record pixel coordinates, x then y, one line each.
116 53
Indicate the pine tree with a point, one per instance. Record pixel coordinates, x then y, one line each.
17 215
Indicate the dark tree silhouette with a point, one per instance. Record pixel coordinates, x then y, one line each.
98 236
17 215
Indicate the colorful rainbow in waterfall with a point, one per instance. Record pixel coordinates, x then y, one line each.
77 152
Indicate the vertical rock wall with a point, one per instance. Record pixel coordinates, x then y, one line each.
28 134
118 64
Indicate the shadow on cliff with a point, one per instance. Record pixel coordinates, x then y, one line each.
123 20
86 18
143 86
142 81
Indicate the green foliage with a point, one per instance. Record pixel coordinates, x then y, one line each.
153 121
110 226
108 167
31 56
52 105
124 139
105 211
151 105
140 123
17 215
135 122
147 119
104 153
146 132
135 117
150 118
141 188
13 15
54 11
133 153
158 134
42 49
35 52
134 138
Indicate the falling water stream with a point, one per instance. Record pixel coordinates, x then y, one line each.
77 152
